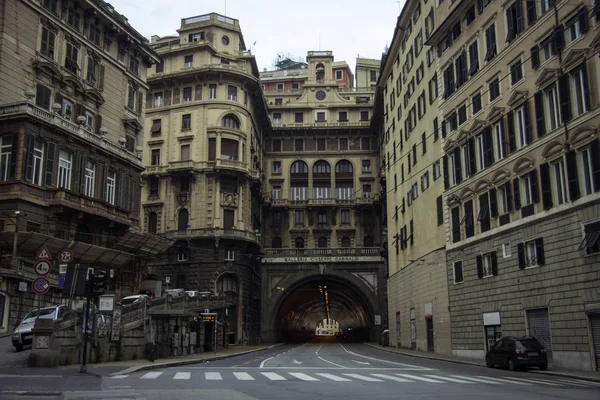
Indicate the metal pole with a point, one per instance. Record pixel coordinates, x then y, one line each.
85 327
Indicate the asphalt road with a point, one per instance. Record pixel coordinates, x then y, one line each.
333 370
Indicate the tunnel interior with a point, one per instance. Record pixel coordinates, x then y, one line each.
311 303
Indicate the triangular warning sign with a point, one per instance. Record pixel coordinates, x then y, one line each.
43 254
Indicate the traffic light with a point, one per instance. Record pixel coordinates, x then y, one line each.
98 283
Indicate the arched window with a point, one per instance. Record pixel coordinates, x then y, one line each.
345 241
182 220
322 242
276 242
227 283
299 167
230 121
299 243
321 167
152 222
320 72
343 166
368 241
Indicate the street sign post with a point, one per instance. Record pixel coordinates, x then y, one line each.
42 268
65 256
40 285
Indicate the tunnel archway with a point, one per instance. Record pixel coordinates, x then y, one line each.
303 305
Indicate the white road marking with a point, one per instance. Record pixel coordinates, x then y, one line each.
540 381
416 367
363 378
420 378
151 375
213 376
335 378
331 362
303 377
262 364
469 378
273 376
182 375
362 362
504 380
296 361
445 378
391 378
578 382
119 376
243 376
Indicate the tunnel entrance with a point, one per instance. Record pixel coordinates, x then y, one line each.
322 307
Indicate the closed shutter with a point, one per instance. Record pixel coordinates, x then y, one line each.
565 98
572 176
198 94
510 121
212 149
595 322
50 164
12 170
29 164
176 96
101 77
539 328
539 113
546 187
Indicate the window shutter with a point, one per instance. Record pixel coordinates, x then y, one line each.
540 123
457 165
535 57
488 143
29 164
586 86
167 100
527 118
81 175
479 6
198 94
517 193
443 129
535 195
583 18
493 203
572 176
595 158
494 263
521 254
531 12
520 27
445 168
412 233
479 266
149 102
140 104
565 101
464 71
176 96
12 168
472 158
440 210
546 187
101 77
509 197
539 249
510 121
98 122
50 154
510 25
76 171
559 37
103 182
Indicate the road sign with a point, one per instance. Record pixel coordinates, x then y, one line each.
106 302
42 268
167 279
22 286
40 286
65 256
62 269
43 254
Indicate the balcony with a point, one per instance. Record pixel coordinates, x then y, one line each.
66 198
213 233
154 169
323 124
230 165
279 202
24 108
322 202
185 165
321 255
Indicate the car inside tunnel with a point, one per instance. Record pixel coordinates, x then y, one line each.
323 308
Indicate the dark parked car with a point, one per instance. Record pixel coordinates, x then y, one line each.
516 353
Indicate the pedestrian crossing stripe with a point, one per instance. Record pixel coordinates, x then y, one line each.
374 378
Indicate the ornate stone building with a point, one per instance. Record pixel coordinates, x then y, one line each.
73 78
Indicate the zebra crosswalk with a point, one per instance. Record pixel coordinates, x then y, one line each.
343 377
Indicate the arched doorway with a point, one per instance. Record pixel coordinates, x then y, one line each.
152 222
228 285
183 219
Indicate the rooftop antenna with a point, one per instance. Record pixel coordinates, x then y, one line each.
226 7
319 42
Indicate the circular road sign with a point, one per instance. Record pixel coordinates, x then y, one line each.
65 256
40 286
42 268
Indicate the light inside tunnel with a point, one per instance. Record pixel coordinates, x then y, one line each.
327 327
305 306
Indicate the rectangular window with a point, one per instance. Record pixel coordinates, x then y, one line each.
42 97
343 116
65 165
462 114
92 71
48 42
321 144
494 88
155 158
514 21
345 216
67 109
38 162
321 116
437 170
299 145
232 93
559 182
158 99
276 167
499 139
586 169
72 58
339 75
90 179
160 67
574 26
487 264
277 118
527 189
366 166
490 42
186 122
504 200
188 61
212 91
522 134
373 76
580 91
591 242
476 103
547 49
276 192
552 108
51 5
295 86
187 94
111 182
185 152
276 144
134 64
279 87
73 18
156 127
516 72
364 115
343 144
458 272
480 152
299 117
299 217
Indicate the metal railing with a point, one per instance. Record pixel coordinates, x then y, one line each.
213 233
322 252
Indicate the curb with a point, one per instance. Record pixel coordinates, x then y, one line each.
178 363
28 393
456 361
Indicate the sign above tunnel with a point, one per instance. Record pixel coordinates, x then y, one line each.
341 259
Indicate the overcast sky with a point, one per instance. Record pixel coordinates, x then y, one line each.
347 27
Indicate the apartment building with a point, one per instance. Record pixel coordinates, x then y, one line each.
203 155
321 190
366 72
520 108
72 75
410 141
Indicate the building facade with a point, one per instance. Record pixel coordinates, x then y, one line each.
72 75
205 117
520 109
410 141
322 211
367 72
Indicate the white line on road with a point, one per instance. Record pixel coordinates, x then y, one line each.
476 379
182 375
331 362
294 361
243 376
119 376
363 378
335 377
416 367
391 378
362 362
540 381
273 376
151 375
445 378
262 364
508 380
420 378
303 377
213 376
578 382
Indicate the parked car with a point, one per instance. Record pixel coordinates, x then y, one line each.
22 336
516 353
173 293
135 299
192 293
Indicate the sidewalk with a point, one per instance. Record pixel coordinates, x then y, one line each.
141 365
585 375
